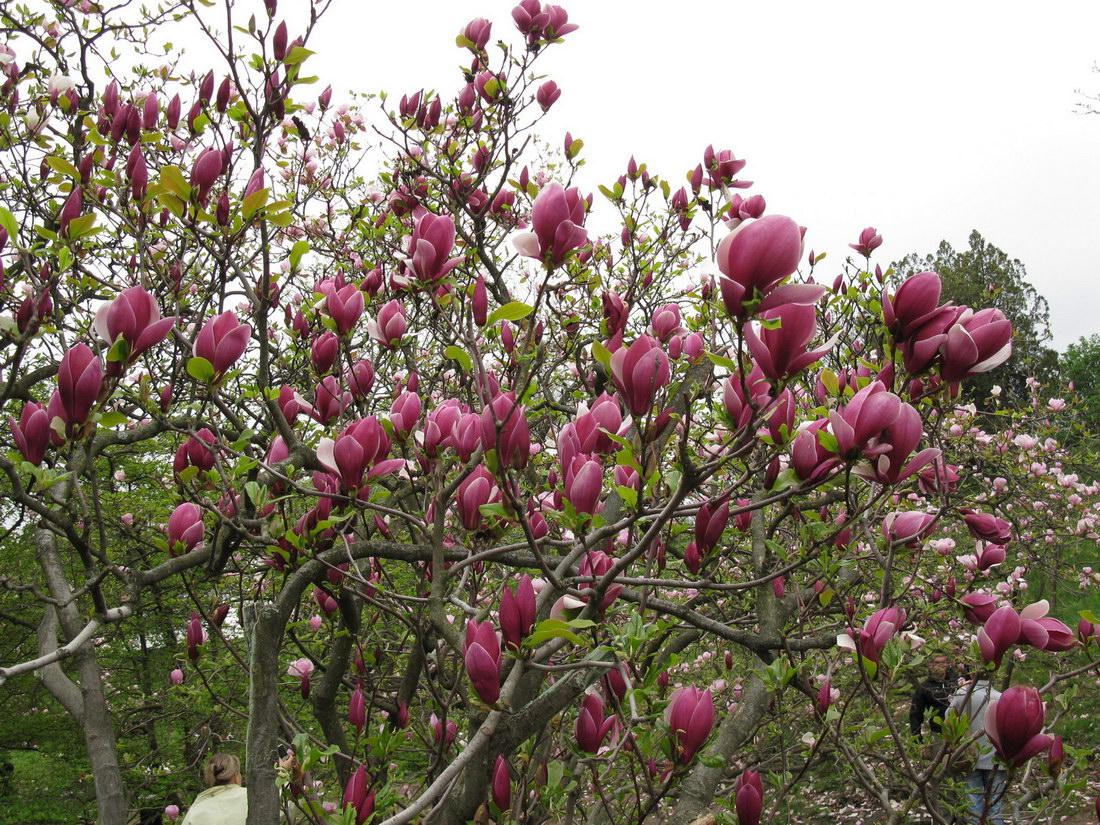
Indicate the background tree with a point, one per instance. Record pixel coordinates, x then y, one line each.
983 275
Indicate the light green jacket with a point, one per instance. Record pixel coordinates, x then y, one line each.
220 805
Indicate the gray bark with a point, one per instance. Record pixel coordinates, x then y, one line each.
99 729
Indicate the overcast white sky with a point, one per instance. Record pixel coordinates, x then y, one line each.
925 121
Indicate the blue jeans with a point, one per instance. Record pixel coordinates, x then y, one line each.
986 789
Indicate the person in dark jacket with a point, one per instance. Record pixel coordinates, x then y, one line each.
932 696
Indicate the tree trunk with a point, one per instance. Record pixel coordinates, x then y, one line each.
263 717
94 715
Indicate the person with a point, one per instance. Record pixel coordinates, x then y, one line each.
224 802
986 784
932 696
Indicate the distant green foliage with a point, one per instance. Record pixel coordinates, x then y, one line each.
1081 365
985 276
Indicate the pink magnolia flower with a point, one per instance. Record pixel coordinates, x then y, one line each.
466 436
1044 632
405 413
908 528
978 607
690 718
390 326
479 302
785 351
502 785
344 306
879 629
441 733
32 434
195 636
1000 632
185 528
754 258
1014 724
901 437
547 94
710 522
196 451
749 798
666 322
745 396
476 33
592 727
987 527
79 380
357 707
176 677
809 458
221 341
429 253
301 669
329 400
504 428
476 490
358 794
595 565
172 812
481 655
591 431
869 241
557 219
977 342
640 371
517 613
359 378
206 170
135 318
863 419
583 483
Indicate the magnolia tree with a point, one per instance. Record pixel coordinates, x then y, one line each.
489 515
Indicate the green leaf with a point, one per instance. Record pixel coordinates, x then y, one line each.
458 354
552 629
787 478
82 226
172 203
172 180
299 54
628 494
771 323
112 419
555 771
512 311
7 220
299 249
200 369
601 354
721 361
119 350
254 202
1089 616
494 509
64 167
